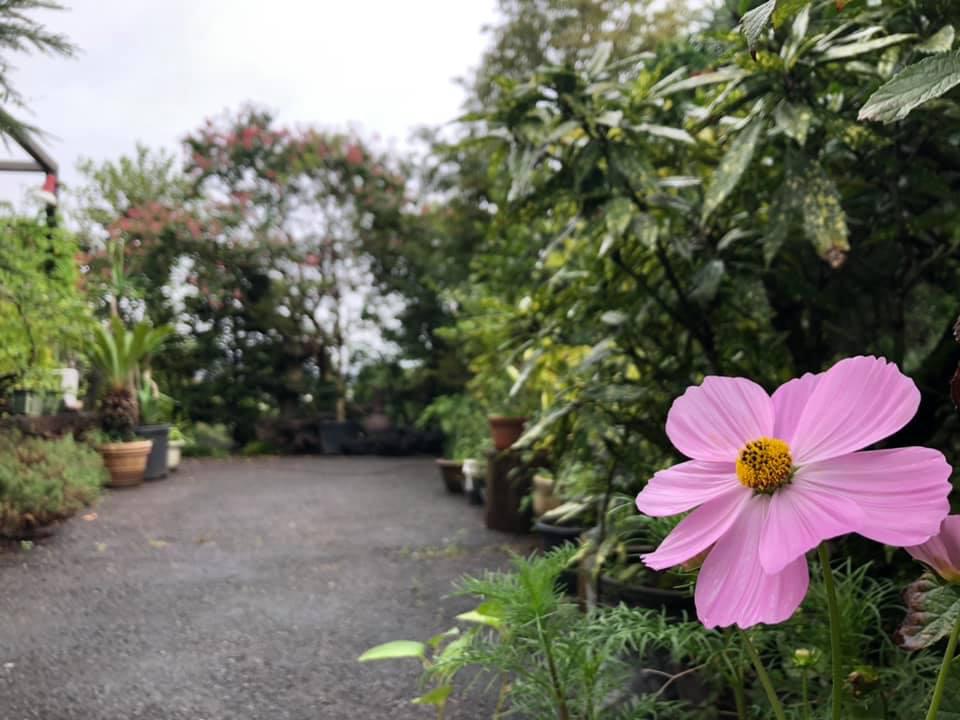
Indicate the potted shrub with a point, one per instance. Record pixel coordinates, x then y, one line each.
175 444
156 409
116 352
43 482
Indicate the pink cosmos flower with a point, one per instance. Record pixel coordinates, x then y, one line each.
773 477
942 552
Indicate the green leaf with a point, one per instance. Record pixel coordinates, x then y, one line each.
824 222
617 214
933 609
522 164
732 166
940 42
438 639
610 118
479 618
395 650
786 9
707 281
599 59
756 21
793 120
911 87
662 89
614 317
847 50
543 424
666 132
437 696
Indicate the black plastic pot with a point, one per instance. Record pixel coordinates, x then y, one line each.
553 536
336 437
157 460
612 592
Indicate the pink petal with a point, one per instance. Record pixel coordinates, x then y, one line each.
685 486
733 589
801 517
855 403
789 400
714 420
942 551
700 529
902 492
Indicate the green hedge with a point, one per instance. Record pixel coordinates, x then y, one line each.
44 481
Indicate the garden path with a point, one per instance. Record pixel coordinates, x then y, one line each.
241 589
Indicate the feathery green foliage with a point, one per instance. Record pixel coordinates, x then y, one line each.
44 481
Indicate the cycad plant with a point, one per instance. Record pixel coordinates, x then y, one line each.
117 352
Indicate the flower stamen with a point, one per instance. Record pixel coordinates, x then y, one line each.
765 465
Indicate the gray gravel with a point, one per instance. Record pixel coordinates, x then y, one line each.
241 589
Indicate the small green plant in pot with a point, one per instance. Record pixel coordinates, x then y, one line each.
116 353
461 419
176 441
156 412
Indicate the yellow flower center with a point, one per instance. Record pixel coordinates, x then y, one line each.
765 465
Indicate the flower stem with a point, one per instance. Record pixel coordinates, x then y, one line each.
836 661
806 694
948 658
764 677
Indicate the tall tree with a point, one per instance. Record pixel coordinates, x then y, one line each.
21 33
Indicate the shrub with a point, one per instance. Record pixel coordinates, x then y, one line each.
44 481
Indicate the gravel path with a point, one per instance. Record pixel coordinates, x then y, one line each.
241 589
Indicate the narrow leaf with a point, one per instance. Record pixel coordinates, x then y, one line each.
600 58
395 650
666 132
913 86
437 696
731 168
709 78
479 618
847 50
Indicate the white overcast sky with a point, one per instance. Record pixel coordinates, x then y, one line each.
152 70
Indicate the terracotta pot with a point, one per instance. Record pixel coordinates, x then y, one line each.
452 473
126 462
506 430
544 498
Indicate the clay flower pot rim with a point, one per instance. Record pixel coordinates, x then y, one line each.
447 462
507 418
130 445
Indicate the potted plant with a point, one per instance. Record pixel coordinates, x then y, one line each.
505 430
156 409
116 353
175 444
611 568
461 420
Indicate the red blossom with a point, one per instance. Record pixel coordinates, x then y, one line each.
354 154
